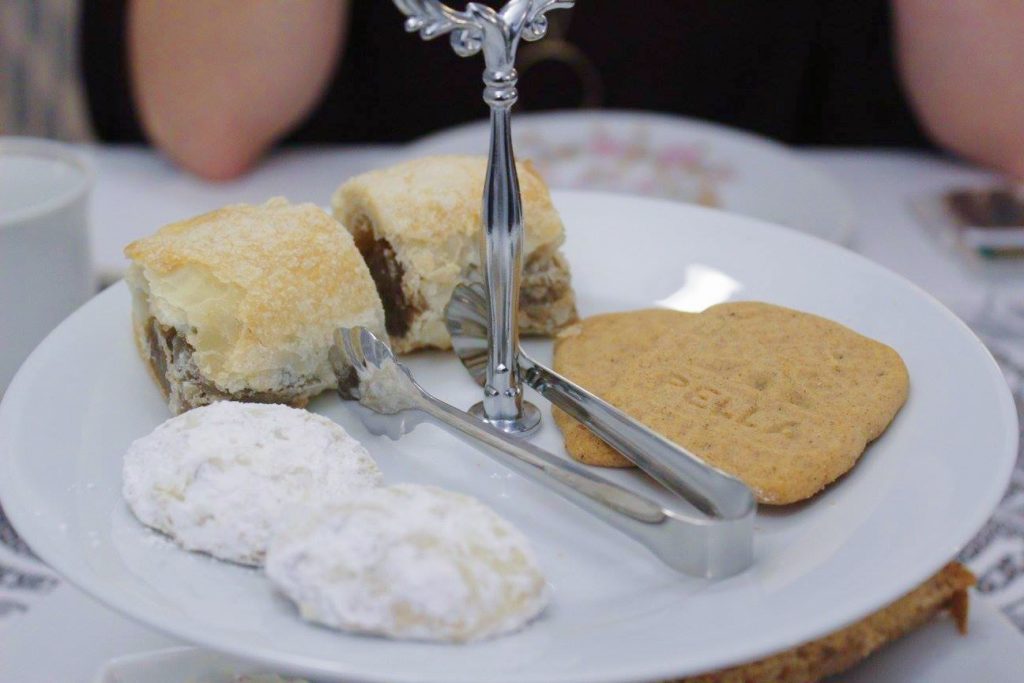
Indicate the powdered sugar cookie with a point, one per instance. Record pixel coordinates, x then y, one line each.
218 479
409 561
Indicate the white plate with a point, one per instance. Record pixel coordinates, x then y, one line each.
914 499
670 157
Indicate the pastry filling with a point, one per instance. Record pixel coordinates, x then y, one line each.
170 356
545 280
160 355
387 274
543 283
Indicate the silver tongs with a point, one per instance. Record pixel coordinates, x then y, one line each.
720 496
715 545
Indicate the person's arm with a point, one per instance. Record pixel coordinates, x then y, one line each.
216 82
962 62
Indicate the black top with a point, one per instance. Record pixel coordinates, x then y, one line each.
801 71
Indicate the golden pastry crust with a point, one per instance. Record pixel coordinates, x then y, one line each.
418 226
784 400
430 199
255 292
837 652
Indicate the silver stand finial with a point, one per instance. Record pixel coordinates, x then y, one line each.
497 34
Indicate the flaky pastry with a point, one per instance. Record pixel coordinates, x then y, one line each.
241 303
418 225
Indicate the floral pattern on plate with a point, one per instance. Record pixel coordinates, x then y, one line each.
627 160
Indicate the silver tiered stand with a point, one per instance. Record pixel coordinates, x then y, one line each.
497 34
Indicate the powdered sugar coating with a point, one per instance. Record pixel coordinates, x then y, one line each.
409 561
219 479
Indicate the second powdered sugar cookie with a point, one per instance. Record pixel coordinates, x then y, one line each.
409 561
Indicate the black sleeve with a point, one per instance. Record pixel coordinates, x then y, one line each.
103 56
856 97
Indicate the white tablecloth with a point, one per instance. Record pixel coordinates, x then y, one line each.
137 191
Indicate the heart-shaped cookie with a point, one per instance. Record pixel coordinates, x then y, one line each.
786 401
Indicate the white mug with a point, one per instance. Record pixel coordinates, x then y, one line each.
45 265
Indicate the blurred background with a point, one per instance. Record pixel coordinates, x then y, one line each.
802 72
41 91
215 84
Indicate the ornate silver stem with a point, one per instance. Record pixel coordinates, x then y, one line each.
497 34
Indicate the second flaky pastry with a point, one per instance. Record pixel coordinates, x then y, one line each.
418 225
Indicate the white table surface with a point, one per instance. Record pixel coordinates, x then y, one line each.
65 636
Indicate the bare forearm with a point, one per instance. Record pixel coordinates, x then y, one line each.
218 81
962 62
